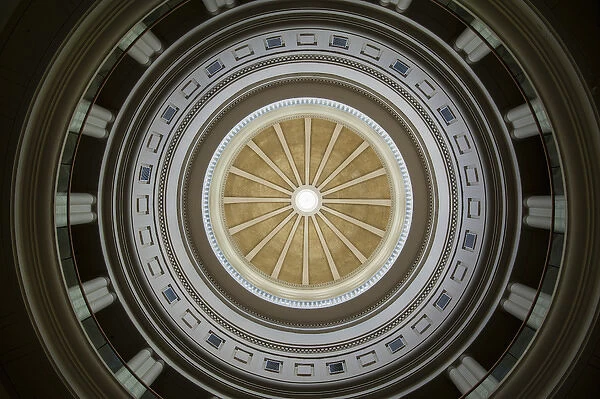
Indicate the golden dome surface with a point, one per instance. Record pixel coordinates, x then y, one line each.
312 200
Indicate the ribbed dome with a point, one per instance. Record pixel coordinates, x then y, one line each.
292 199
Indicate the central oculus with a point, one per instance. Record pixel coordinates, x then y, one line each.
307 202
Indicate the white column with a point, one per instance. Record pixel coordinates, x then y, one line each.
521 120
145 44
214 6
97 122
144 368
538 212
80 209
467 373
472 44
97 293
401 5
520 300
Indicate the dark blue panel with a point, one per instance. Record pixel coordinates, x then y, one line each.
169 113
447 114
443 301
272 365
339 41
337 367
145 172
274 42
470 239
401 67
170 294
214 68
396 344
214 340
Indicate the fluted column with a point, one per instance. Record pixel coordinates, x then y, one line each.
467 373
472 44
97 293
401 5
521 120
538 212
145 368
520 300
214 6
97 122
81 208
145 44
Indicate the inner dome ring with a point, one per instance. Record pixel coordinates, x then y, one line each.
239 263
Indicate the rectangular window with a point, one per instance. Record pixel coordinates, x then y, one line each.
214 340
339 41
169 113
214 67
336 367
400 67
447 114
443 301
170 295
469 242
145 173
273 42
273 365
396 344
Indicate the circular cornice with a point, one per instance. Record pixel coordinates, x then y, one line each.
200 126
544 368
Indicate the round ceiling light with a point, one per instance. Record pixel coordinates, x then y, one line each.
306 200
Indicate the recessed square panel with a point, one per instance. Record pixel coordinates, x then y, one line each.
307 39
400 67
170 294
190 88
463 143
214 340
242 356
145 173
274 42
339 41
169 113
371 51
214 67
460 271
145 236
189 319
474 208
422 324
471 175
153 142
397 344
443 301
142 206
336 367
447 114
426 88
242 52
470 241
155 267
273 365
304 370
367 359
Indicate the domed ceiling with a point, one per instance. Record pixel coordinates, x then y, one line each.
298 199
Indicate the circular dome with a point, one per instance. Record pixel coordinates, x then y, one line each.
395 281
307 202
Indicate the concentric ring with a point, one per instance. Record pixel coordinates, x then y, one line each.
370 269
